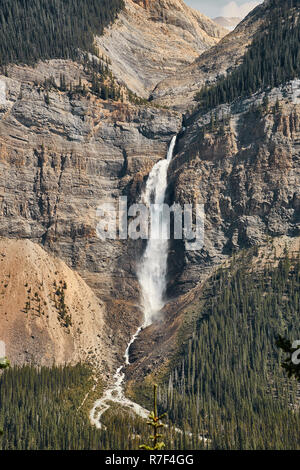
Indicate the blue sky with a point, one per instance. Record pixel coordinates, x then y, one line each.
214 8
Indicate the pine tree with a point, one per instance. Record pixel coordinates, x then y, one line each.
271 59
154 422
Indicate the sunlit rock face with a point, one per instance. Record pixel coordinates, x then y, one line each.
179 90
157 38
60 161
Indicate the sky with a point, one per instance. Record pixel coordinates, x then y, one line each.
228 8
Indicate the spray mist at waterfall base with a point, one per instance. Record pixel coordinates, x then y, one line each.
152 277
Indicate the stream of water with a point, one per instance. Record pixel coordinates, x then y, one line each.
152 277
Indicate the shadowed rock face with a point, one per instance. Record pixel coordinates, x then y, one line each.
246 173
151 40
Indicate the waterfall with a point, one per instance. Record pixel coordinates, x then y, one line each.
152 270
152 276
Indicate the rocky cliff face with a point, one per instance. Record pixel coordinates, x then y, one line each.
152 39
60 160
247 180
158 346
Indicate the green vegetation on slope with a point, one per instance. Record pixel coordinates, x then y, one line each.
101 83
272 59
229 384
46 29
40 409
291 363
226 382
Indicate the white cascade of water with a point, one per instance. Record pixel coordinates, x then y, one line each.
151 273
152 270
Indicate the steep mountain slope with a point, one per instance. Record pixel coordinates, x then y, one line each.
64 154
179 90
48 314
182 311
225 381
152 39
39 29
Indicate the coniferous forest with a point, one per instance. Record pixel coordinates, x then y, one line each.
45 409
226 384
272 59
229 385
47 29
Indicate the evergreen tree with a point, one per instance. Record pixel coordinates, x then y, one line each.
49 29
154 422
272 59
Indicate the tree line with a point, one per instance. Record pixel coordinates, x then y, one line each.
272 59
47 29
